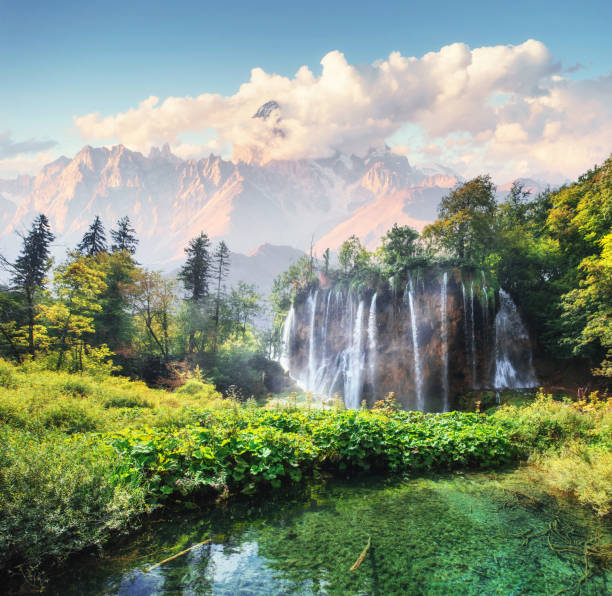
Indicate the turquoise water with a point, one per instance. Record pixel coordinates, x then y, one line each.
456 534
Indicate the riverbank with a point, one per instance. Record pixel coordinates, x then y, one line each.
85 457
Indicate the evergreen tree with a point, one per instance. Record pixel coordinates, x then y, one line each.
94 240
221 262
195 272
326 255
124 237
30 268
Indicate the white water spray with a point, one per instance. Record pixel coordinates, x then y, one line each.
287 340
444 324
312 303
372 344
513 363
355 361
473 335
418 373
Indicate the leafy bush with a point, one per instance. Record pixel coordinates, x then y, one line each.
70 417
7 375
544 423
126 400
242 449
195 388
59 495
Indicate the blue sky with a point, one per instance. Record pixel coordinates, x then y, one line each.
62 59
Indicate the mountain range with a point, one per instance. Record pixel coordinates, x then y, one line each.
170 200
246 203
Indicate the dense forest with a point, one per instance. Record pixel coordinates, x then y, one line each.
100 308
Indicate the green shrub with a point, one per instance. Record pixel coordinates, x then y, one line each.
544 423
7 375
58 496
204 391
127 400
77 386
71 417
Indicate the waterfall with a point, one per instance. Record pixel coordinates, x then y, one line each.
312 302
513 362
473 335
418 374
287 339
444 325
372 344
465 318
355 361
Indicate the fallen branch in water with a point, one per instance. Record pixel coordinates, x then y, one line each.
362 556
177 555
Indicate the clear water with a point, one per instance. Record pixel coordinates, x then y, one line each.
458 534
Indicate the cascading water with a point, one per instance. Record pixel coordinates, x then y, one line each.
444 325
312 344
355 362
465 317
472 335
513 361
418 373
287 339
364 346
372 344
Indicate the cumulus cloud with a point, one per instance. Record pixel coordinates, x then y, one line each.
509 110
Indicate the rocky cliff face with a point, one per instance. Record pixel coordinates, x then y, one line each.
245 203
427 339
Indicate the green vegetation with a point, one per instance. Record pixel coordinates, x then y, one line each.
568 445
100 308
84 456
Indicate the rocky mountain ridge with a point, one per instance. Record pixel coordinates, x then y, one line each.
170 200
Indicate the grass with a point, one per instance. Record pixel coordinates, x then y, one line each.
568 445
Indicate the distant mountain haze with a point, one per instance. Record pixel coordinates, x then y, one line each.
278 206
169 200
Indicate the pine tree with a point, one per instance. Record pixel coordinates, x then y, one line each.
124 237
30 268
195 272
94 240
221 262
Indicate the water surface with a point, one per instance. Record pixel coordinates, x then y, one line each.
456 534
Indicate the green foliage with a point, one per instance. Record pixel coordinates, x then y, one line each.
569 445
401 250
59 495
94 240
352 256
124 237
466 219
195 272
241 449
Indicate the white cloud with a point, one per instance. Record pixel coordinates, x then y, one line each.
508 110
24 164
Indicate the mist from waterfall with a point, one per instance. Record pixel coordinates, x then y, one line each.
418 373
356 360
444 326
512 370
472 335
372 343
287 339
312 354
